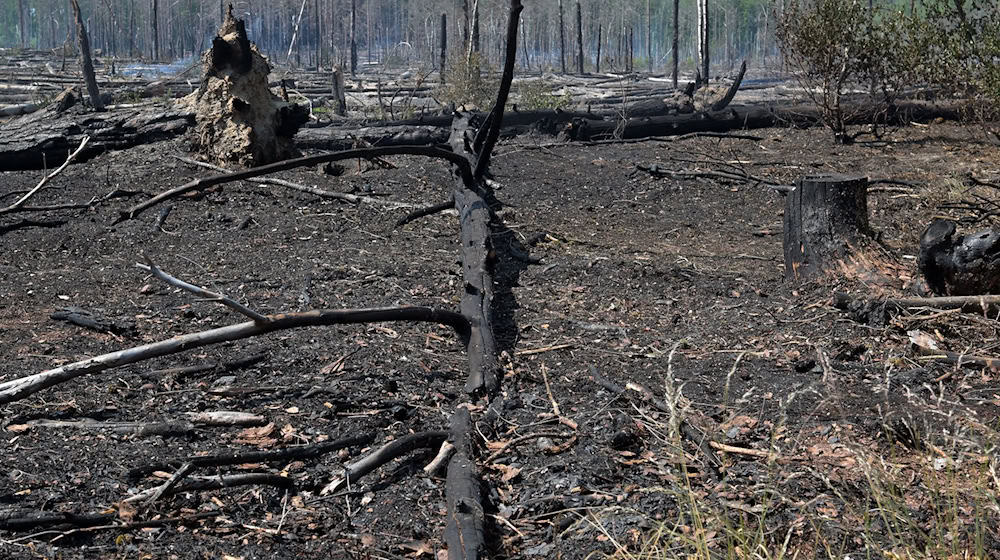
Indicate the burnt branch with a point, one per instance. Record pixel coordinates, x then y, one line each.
460 162
392 450
17 389
426 211
212 296
484 142
238 458
322 193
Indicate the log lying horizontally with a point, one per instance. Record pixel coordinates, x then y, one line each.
19 388
44 138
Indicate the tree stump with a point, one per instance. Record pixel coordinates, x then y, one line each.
959 265
240 121
826 220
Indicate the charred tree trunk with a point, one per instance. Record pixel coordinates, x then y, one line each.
826 221
475 26
156 32
562 40
444 45
85 62
674 45
579 39
354 42
21 25
703 38
597 63
339 96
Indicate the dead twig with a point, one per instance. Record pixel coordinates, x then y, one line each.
211 296
392 450
19 204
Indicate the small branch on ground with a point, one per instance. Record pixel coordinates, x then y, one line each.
971 304
153 494
460 162
392 450
19 204
19 388
311 451
89 521
322 193
217 482
426 211
211 296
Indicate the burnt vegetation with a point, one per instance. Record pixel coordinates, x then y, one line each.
491 279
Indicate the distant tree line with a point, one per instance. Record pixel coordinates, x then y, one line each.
631 34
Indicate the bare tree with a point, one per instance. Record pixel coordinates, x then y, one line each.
85 62
562 39
675 46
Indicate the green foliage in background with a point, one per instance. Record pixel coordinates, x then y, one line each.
957 50
538 94
948 48
469 82
837 47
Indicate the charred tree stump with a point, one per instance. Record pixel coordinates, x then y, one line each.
959 265
826 220
239 120
339 96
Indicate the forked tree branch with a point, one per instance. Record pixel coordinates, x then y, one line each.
483 145
18 205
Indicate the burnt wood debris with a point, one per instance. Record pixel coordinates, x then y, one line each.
233 60
242 131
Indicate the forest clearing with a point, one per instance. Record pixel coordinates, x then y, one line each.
261 300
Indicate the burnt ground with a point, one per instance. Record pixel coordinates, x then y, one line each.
671 286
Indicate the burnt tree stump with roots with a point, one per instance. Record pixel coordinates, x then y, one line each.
826 221
240 121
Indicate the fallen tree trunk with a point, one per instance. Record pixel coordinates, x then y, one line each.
746 117
45 138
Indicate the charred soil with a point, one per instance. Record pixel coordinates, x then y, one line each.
670 289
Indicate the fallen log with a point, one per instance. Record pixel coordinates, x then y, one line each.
44 139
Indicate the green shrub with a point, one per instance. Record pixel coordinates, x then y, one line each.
469 82
838 46
956 48
538 94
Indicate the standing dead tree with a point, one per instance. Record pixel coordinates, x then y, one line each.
85 61
469 154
